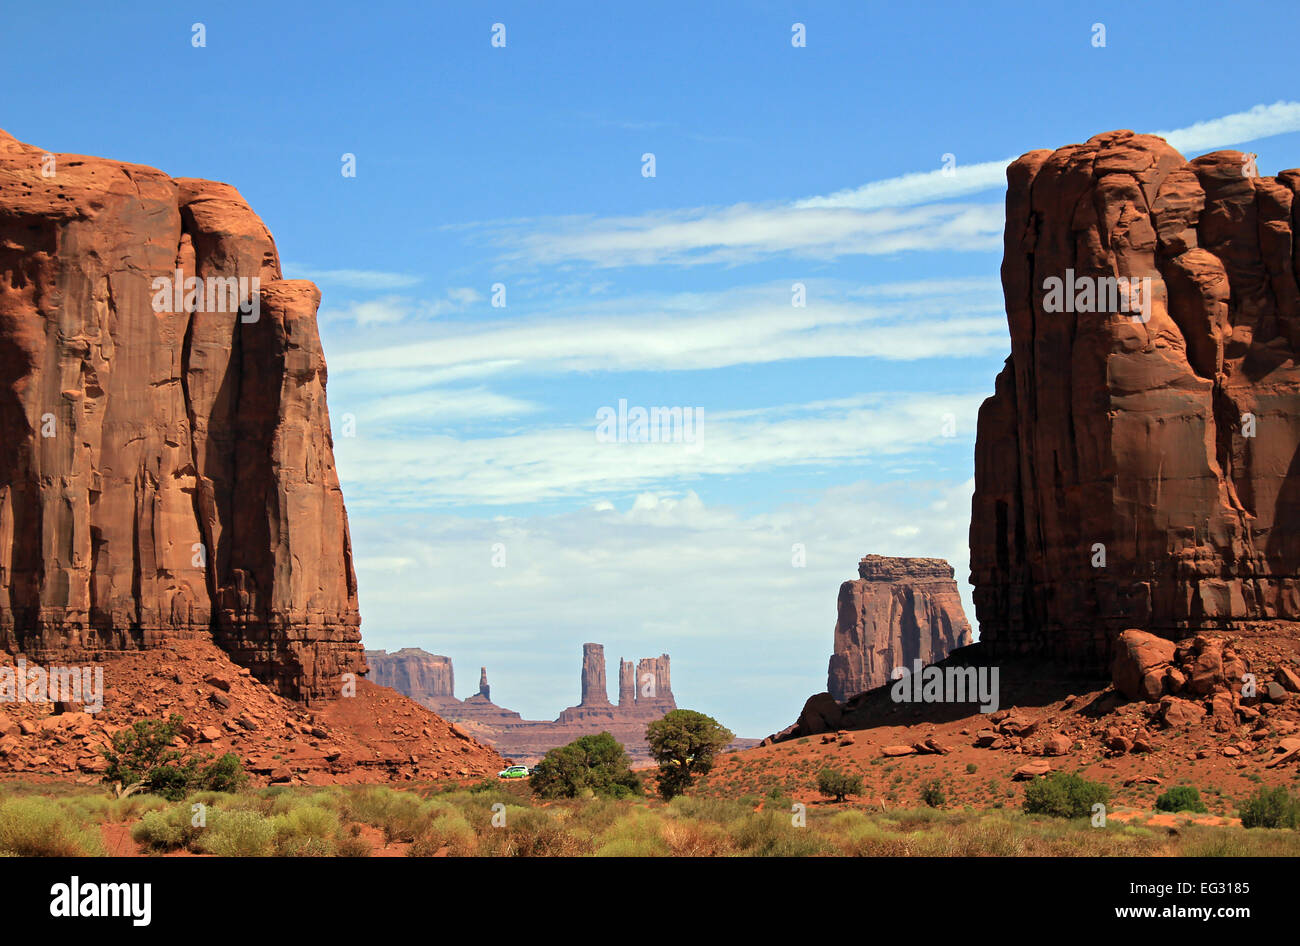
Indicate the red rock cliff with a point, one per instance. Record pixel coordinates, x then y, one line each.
424 677
898 610
167 469
1136 473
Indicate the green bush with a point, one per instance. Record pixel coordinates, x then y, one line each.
596 764
773 834
838 785
167 830
239 833
1064 795
932 794
1271 808
451 832
305 831
1181 798
41 827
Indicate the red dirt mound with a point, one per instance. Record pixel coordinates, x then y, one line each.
377 735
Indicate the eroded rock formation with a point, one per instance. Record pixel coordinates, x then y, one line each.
595 691
897 611
167 468
645 694
1141 469
424 677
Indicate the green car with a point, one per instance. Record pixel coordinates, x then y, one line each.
515 771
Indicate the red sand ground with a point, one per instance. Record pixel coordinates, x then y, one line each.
1226 766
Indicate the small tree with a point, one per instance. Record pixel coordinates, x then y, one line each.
596 762
142 758
685 743
838 785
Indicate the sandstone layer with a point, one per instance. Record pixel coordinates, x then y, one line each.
168 468
897 611
424 677
1141 470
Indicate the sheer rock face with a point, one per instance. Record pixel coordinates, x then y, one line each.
1134 473
899 610
424 677
595 690
167 469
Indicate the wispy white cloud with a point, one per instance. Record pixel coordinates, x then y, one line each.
744 232
351 278
392 309
408 466
1262 121
696 331
892 215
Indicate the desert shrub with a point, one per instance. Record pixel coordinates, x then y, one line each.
450 831
351 845
168 829
590 765
143 755
41 827
636 833
773 834
239 833
838 785
400 815
1271 808
715 810
531 833
305 831
1181 798
685 744
932 794
1064 795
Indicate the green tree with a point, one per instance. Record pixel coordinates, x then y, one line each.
838 785
597 763
143 758
684 743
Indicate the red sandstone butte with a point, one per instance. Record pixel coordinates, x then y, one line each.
1171 444
645 694
424 677
899 610
167 471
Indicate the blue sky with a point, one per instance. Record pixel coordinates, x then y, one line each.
522 166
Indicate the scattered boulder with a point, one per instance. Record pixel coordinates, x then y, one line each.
894 751
1175 711
1138 668
1031 770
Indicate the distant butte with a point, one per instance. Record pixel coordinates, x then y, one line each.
644 694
